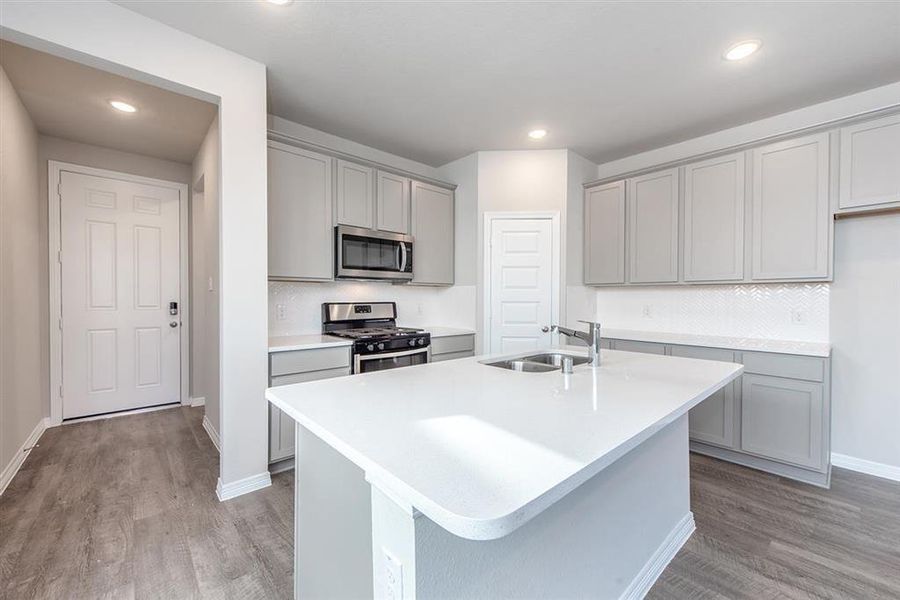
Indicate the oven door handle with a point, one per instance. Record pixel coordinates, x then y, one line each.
358 359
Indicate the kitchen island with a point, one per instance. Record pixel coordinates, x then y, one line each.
461 480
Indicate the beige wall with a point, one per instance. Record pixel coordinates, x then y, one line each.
205 268
21 312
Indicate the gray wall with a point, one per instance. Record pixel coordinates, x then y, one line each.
865 335
205 266
464 173
22 379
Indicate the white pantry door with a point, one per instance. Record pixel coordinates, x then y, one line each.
521 297
120 269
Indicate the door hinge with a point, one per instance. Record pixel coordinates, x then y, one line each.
59 256
60 391
60 323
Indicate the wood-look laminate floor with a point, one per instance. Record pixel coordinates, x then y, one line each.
126 508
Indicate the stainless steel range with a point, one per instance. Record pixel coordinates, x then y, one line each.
378 343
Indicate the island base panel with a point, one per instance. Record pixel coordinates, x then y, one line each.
609 538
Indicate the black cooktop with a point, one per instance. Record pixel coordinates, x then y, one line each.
375 333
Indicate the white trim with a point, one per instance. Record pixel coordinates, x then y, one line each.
22 453
242 486
555 300
54 168
197 401
213 435
654 567
869 467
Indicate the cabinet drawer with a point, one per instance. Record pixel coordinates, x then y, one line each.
453 343
302 361
275 381
785 365
451 356
645 347
783 419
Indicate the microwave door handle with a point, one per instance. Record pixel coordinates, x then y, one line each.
402 257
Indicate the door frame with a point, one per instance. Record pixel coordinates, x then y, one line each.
556 244
54 237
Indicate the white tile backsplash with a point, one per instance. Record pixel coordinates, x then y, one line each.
790 311
296 308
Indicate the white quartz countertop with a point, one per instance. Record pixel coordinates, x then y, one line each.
287 343
482 450
820 349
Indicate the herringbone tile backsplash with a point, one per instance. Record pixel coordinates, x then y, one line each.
774 311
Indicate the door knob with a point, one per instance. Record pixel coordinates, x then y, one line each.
173 324
545 329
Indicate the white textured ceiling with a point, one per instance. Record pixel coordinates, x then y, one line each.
433 81
69 100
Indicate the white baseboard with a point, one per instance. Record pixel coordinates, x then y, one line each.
868 467
197 401
242 486
660 559
21 454
212 433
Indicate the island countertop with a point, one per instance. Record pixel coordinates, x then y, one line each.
482 450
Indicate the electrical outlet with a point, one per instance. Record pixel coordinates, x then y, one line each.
647 313
279 312
798 316
420 308
393 576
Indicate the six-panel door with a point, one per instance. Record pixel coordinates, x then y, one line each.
653 227
791 213
301 238
432 229
714 219
604 234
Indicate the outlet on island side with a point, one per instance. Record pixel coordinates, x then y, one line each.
393 576
279 312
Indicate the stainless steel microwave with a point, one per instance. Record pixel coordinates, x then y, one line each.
368 254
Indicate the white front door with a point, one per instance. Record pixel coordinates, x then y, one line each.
521 280
120 270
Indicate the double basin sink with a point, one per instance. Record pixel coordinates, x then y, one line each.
538 363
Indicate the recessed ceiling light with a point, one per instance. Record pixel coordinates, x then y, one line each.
280 2
122 106
743 49
537 134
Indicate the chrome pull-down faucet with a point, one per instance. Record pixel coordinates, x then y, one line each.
591 338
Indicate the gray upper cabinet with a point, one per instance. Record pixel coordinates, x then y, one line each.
300 214
783 419
791 213
713 420
653 227
391 202
604 234
870 163
355 199
432 216
714 219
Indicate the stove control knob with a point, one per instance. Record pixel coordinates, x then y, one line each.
381 346
412 342
370 347
421 341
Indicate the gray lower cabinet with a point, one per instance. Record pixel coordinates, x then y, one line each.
713 420
286 368
452 347
300 214
775 417
432 215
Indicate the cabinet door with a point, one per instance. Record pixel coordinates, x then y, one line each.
392 203
712 421
355 200
604 234
300 215
644 347
432 229
870 163
714 219
653 228
790 209
782 419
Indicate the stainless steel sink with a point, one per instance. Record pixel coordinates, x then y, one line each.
538 363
